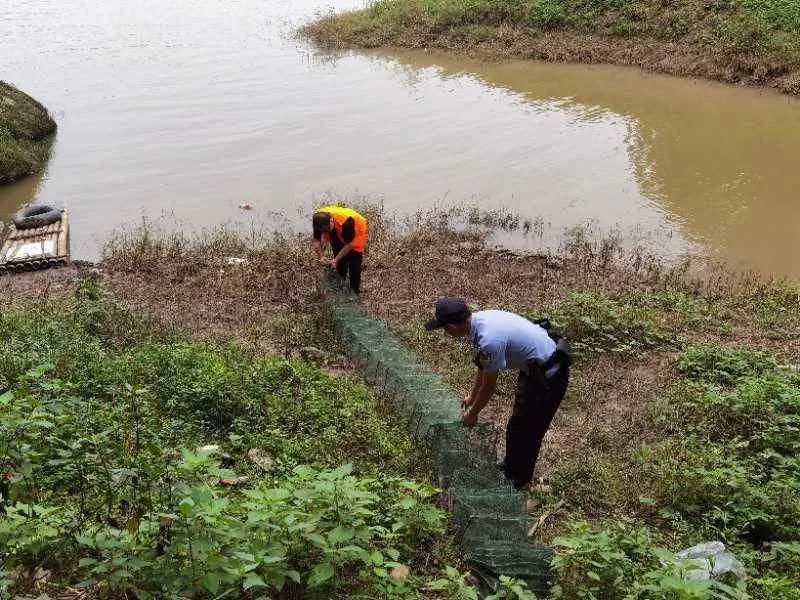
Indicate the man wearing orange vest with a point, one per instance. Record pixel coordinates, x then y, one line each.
346 231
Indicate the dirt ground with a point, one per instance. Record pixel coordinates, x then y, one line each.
267 298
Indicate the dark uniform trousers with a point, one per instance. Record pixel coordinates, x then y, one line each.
352 262
535 404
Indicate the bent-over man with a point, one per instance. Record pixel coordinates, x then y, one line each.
346 231
504 340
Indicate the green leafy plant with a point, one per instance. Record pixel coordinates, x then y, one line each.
512 589
594 322
318 529
622 561
724 365
597 564
454 585
735 465
150 466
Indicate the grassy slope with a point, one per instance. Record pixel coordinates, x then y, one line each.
750 41
675 401
26 131
101 415
680 425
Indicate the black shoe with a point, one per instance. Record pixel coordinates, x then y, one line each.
503 468
518 485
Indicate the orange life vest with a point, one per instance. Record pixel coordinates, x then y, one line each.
339 215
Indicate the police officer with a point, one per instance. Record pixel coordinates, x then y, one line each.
504 340
346 231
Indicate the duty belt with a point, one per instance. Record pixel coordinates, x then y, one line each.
560 357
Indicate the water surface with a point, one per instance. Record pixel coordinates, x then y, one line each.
183 111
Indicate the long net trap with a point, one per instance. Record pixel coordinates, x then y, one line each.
488 513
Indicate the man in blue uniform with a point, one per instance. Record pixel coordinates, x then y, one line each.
504 340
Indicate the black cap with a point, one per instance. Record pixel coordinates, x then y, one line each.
449 311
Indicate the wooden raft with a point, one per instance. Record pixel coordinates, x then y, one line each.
34 249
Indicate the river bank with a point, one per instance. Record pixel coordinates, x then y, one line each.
567 143
26 134
680 425
737 41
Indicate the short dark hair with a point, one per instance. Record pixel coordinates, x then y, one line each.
321 222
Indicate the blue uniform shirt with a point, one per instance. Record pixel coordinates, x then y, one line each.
503 340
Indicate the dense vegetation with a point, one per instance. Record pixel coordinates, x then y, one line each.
680 425
708 453
26 131
754 41
716 458
139 464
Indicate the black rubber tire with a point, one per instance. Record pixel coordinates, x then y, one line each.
36 216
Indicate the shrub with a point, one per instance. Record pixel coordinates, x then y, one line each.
622 561
597 564
547 14
324 530
735 466
724 365
594 322
107 475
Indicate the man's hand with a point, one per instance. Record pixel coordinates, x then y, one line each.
333 264
470 418
482 390
324 261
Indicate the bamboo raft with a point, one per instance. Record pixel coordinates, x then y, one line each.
35 249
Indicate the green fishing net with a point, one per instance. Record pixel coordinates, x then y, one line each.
488 514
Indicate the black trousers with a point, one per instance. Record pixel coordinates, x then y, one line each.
535 404
353 262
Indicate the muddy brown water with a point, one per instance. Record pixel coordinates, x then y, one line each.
181 112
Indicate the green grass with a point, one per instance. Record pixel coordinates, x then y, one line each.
116 441
724 466
680 425
26 131
734 40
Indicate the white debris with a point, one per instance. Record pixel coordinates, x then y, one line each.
708 560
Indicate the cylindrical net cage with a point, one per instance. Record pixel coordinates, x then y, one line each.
488 514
